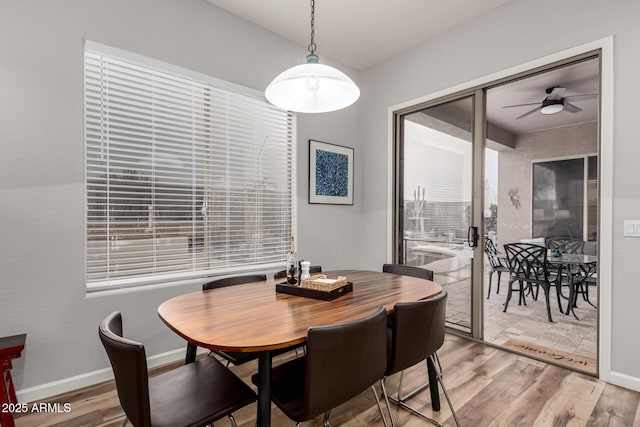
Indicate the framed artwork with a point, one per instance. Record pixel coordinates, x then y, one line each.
330 173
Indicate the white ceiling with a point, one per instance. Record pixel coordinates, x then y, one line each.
580 78
362 33
359 33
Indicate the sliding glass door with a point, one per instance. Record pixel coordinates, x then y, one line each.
434 199
493 165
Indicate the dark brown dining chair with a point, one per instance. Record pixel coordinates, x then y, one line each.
416 336
234 357
192 395
408 270
233 280
342 361
314 269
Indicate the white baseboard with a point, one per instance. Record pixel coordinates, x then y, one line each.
624 380
44 391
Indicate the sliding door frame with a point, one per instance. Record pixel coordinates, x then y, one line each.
477 207
477 96
601 49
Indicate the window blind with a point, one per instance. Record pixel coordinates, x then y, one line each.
183 179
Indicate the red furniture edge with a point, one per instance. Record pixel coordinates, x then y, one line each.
10 348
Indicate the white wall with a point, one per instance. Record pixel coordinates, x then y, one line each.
42 161
41 149
515 33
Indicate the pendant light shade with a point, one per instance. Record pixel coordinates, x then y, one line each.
312 87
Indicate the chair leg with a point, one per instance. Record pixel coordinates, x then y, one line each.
417 390
325 421
444 390
521 299
546 290
386 399
558 285
498 287
401 401
532 292
375 394
509 292
585 296
489 291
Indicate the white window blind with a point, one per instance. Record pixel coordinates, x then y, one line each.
183 179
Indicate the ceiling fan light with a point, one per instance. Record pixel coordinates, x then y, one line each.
551 107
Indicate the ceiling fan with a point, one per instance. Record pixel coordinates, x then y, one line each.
554 102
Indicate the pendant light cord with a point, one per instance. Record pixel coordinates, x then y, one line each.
312 46
312 87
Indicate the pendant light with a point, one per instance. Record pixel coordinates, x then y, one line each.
312 87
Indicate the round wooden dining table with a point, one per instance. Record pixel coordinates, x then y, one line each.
254 318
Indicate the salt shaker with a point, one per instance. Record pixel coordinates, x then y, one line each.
304 265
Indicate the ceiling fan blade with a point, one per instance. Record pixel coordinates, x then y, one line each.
572 108
521 105
556 93
582 97
528 113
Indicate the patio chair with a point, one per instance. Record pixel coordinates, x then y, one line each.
565 245
584 275
528 264
589 274
495 262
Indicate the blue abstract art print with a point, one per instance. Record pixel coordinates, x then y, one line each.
330 173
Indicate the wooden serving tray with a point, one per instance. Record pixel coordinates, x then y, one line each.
284 288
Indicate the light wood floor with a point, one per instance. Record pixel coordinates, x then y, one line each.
488 387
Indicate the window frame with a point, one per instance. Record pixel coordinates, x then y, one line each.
585 208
